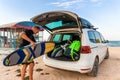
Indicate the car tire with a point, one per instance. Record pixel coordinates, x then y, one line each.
95 68
107 54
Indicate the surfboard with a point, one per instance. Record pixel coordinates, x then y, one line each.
26 53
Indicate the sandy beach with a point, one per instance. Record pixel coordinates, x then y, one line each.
109 69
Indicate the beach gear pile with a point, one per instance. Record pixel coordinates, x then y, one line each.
68 50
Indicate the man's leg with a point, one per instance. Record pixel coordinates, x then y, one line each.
24 66
31 66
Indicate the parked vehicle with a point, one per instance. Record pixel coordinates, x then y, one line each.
65 27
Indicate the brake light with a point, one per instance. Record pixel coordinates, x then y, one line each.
85 49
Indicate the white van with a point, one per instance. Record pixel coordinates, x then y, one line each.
65 27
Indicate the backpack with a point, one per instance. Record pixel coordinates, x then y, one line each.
57 52
73 49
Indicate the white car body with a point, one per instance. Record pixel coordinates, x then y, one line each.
86 61
93 46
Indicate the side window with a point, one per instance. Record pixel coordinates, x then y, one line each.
102 38
97 36
91 36
66 37
57 38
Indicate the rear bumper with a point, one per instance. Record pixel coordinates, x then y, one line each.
67 65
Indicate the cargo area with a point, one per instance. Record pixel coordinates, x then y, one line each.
67 47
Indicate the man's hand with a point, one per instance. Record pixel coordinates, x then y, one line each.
33 44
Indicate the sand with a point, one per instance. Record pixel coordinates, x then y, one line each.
109 69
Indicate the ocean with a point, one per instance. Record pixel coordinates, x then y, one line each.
114 43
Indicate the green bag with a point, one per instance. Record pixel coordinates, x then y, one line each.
73 48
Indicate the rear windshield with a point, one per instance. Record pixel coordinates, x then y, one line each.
62 37
61 24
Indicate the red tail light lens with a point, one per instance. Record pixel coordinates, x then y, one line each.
85 49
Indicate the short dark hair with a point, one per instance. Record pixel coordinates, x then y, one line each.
37 27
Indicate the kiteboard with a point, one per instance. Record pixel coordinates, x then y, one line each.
26 53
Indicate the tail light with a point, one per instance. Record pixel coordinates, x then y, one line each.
85 49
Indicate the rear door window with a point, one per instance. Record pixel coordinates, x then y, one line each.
91 36
97 36
102 38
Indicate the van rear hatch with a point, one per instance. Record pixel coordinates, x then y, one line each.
56 20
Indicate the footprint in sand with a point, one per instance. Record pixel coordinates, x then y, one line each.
36 63
18 71
7 73
39 69
8 70
18 75
45 73
117 59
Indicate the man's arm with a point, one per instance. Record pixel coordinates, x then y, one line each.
24 36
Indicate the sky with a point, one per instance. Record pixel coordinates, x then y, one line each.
103 14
